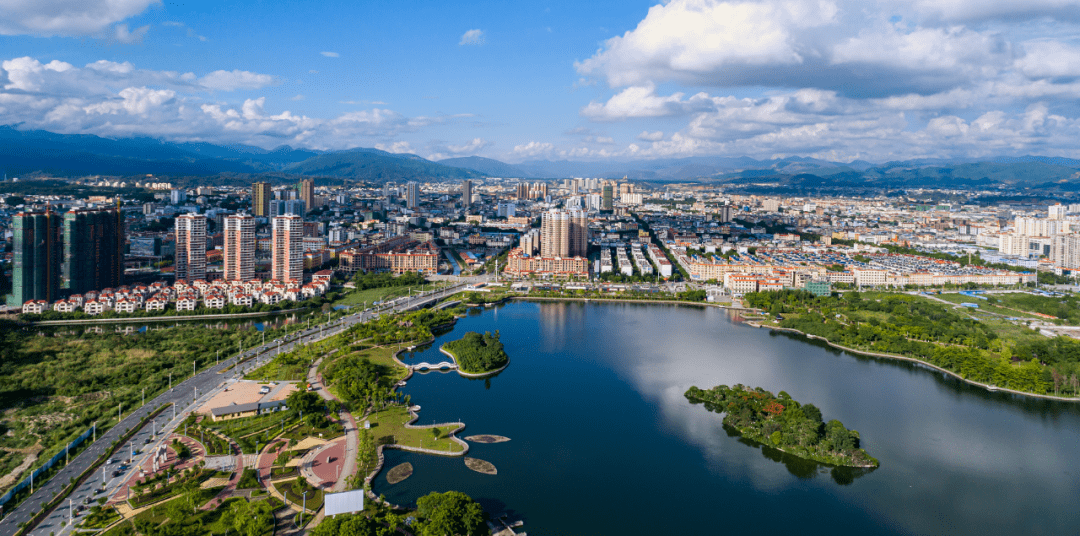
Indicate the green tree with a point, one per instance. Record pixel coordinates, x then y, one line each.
450 514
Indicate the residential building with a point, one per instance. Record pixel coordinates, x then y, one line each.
93 250
239 247
412 195
466 193
260 199
564 234
307 193
190 247
288 249
37 252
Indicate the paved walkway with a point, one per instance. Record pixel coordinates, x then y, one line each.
322 467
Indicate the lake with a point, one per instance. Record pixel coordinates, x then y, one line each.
603 441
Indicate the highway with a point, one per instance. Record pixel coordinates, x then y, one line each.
183 395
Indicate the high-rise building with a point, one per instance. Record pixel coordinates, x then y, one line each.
1065 251
307 193
191 247
177 196
564 234
608 202
288 249
260 199
93 250
35 274
466 193
1056 211
522 191
412 195
239 246
292 206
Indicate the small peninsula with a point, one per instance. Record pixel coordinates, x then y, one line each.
476 353
784 424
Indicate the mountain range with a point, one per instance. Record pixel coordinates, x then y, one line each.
36 151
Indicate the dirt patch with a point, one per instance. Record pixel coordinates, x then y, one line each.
485 438
399 473
12 477
140 353
480 466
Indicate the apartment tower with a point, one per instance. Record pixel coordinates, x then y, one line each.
466 193
412 195
239 254
260 199
191 247
307 193
564 233
288 249
93 250
35 273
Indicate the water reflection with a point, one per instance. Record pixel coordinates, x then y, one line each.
594 402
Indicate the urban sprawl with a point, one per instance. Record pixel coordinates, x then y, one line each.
212 247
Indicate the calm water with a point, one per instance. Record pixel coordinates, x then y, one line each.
603 441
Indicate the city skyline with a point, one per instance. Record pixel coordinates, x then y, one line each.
835 80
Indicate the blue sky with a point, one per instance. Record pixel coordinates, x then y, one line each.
836 79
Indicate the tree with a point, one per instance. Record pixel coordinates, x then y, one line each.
304 401
451 513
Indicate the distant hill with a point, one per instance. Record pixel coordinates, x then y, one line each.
25 152
376 165
486 166
28 151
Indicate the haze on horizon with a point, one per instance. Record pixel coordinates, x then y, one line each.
608 80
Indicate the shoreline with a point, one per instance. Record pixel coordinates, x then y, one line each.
754 323
472 374
451 435
988 387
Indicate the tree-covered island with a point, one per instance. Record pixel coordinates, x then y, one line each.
784 424
476 353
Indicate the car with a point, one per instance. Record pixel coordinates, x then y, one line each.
110 462
116 474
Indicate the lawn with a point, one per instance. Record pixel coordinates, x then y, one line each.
984 305
371 295
388 427
293 491
201 523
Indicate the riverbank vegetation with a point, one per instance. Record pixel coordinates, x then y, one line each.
916 327
783 423
477 354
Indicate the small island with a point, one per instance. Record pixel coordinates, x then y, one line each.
784 424
477 354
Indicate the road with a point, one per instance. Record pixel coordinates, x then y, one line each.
204 384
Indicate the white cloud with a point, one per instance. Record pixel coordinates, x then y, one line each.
298 98
1049 59
650 136
66 17
235 79
472 37
533 149
118 99
685 39
396 147
472 146
330 54
123 35
642 101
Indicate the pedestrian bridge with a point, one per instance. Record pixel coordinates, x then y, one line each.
436 366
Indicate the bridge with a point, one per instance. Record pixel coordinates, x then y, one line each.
437 366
